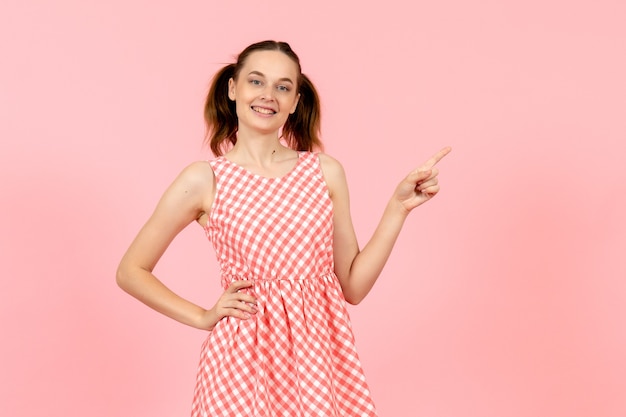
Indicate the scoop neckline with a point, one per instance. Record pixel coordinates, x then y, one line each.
250 173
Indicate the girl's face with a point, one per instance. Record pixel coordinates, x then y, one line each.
265 92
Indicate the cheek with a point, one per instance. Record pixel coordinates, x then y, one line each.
289 103
244 97
240 107
294 104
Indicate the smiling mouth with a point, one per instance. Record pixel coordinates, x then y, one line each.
263 110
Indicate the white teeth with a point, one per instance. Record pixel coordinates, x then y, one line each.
262 110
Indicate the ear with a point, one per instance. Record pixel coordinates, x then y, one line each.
295 104
231 89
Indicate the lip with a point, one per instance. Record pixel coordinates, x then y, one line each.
273 111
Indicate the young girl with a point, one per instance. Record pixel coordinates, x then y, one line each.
279 338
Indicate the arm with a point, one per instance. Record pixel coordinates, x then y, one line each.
187 199
357 269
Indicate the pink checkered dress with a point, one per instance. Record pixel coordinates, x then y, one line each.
296 356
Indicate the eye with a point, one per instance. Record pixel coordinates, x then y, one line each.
284 88
255 82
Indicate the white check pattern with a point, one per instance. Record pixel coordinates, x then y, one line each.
296 356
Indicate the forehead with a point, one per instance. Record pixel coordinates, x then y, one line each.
273 64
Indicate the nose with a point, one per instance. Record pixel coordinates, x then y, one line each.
267 93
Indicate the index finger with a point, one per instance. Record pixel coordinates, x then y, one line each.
436 158
238 285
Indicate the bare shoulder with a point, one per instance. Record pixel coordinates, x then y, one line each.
197 176
330 166
189 196
198 171
333 173
195 185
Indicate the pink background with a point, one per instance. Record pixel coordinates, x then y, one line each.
506 294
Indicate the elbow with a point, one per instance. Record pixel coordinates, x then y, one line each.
351 293
353 299
129 277
121 278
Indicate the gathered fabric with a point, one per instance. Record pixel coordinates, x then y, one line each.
296 356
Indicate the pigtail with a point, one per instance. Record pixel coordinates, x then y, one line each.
302 128
219 112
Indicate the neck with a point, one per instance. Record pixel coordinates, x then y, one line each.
260 151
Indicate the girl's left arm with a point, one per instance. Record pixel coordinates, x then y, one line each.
358 269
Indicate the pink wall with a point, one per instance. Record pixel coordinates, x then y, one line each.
506 295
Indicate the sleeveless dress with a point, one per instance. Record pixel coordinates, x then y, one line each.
296 356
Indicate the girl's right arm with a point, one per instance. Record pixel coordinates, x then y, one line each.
187 199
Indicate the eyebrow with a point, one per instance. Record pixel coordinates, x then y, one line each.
263 75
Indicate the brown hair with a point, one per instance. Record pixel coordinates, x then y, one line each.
302 128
